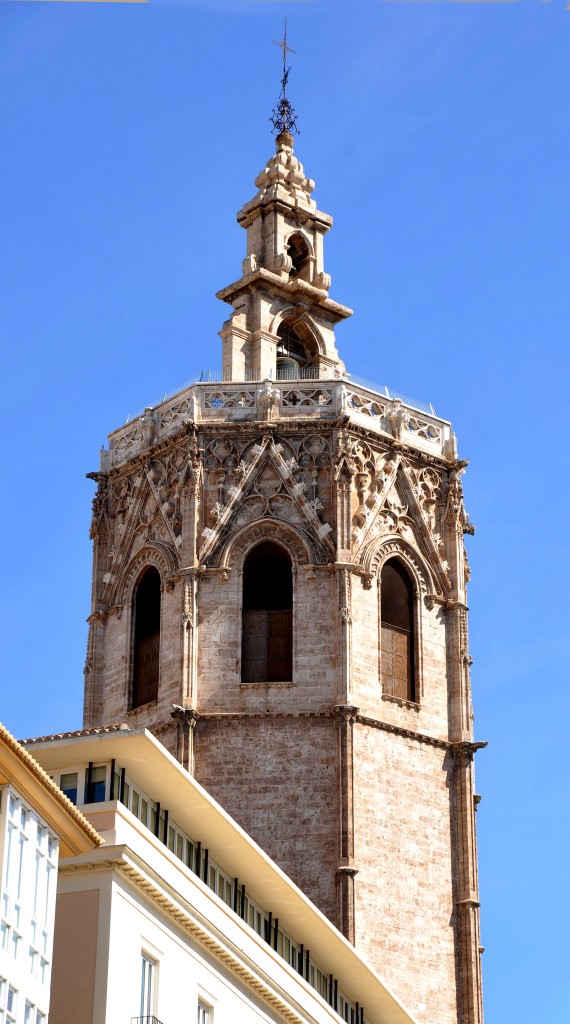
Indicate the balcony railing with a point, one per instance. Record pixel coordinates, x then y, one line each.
382 411
145 1020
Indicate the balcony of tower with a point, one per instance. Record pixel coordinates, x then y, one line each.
341 400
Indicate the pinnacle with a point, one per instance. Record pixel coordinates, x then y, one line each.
285 172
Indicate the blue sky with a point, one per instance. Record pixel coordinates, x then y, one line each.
438 137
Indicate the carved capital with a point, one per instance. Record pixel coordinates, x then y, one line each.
465 749
186 716
346 871
346 712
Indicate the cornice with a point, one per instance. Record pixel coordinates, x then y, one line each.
214 946
182 919
410 734
215 715
20 769
261 276
374 723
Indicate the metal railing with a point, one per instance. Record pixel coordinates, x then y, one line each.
233 893
306 373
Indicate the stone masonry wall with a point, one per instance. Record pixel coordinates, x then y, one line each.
403 852
278 778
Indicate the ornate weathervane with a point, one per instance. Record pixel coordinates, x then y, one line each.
284 118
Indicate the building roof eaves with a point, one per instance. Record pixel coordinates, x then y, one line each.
19 768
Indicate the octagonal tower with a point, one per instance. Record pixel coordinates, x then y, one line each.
279 594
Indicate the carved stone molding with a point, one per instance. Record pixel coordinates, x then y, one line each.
346 712
376 554
411 734
161 557
282 533
401 702
347 871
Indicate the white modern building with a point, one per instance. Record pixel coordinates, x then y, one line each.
178 915
37 824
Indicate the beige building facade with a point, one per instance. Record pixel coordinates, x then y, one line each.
279 595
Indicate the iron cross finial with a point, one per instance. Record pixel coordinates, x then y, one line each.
284 118
283 44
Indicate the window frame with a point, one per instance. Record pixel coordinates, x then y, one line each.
204 1010
415 632
148 985
276 542
131 706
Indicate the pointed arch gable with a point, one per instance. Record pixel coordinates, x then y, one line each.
159 555
238 546
376 553
315 534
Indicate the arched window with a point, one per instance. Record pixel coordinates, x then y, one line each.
292 354
146 654
397 626
298 250
267 644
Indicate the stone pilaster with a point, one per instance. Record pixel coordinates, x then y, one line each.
346 871
467 885
191 501
189 621
344 586
100 533
461 723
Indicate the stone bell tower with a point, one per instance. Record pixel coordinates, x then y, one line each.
279 593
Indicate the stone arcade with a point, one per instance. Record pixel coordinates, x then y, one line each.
279 595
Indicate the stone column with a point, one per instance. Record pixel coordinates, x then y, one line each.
101 535
467 885
190 528
344 582
461 722
346 871
190 640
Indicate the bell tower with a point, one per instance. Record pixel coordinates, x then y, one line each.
282 324
279 594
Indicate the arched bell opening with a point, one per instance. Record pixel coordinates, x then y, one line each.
294 357
300 256
267 615
146 646
397 631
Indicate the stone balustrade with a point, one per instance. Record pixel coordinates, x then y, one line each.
276 401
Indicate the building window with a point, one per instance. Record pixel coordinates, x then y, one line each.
203 1015
146 653
267 640
148 981
95 783
8 1002
68 783
397 629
